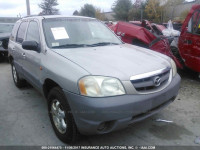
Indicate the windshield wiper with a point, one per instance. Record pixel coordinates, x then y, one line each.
70 46
103 44
85 45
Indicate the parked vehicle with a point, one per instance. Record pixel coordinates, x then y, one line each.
152 27
5 31
93 82
144 36
189 41
160 30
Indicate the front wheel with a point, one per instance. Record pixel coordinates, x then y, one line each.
18 82
61 117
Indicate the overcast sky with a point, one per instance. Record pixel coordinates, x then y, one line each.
11 8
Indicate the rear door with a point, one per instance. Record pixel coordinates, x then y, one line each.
32 59
189 43
17 49
12 40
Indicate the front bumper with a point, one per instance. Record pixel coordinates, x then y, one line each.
104 115
3 51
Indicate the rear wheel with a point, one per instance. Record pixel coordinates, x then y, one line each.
61 117
18 82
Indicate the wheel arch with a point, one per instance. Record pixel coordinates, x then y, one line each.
48 85
10 58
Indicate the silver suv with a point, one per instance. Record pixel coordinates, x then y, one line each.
93 82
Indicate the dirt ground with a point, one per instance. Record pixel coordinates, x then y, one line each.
24 119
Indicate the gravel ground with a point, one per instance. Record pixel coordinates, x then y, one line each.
24 120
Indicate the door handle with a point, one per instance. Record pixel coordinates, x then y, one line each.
23 55
189 42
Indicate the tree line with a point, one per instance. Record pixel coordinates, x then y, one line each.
125 10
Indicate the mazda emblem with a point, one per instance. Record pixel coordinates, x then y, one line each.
157 81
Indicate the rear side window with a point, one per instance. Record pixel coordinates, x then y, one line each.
14 31
21 32
33 32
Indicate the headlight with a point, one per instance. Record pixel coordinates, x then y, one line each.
173 67
97 86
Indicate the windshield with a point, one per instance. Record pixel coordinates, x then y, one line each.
72 33
6 28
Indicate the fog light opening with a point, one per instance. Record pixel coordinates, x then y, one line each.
102 126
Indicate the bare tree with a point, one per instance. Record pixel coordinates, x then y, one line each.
48 7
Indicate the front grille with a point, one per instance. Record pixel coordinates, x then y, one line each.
151 82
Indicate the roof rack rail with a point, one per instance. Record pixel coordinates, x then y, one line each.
30 16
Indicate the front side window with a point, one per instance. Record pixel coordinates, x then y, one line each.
21 32
73 32
194 24
33 32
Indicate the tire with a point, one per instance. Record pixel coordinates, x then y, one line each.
20 83
1 57
59 111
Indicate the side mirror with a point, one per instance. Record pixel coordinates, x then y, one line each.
30 45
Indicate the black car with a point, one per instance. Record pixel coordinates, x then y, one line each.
5 31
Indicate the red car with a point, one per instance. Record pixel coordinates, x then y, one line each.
188 52
144 37
156 28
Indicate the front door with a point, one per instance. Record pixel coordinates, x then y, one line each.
189 43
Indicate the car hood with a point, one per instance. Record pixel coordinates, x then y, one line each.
120 61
